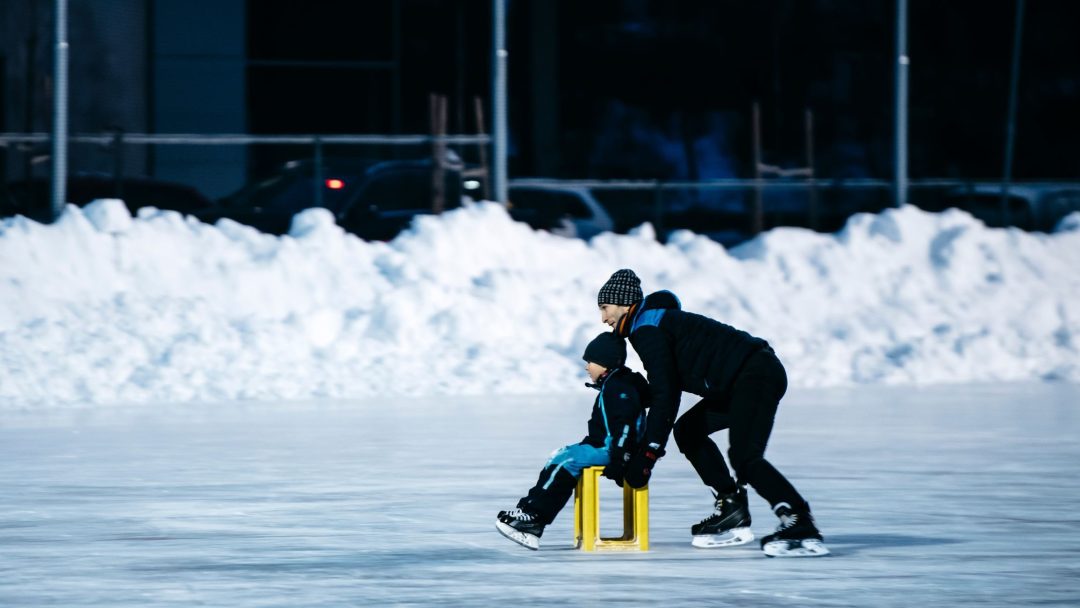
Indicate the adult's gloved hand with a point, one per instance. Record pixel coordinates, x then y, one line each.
615 469
639 469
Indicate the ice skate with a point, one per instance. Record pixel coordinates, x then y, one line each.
729 525
520 526
796 536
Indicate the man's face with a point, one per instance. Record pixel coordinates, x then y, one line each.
611 313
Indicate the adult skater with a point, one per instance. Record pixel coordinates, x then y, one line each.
740 382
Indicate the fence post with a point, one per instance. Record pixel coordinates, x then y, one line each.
60 113
900 107
499 127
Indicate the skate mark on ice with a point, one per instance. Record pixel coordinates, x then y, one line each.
853 543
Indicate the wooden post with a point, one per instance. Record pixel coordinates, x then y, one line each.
757 220
438 152
478 108
1010 122
814 212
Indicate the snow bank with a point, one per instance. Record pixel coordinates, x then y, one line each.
101 307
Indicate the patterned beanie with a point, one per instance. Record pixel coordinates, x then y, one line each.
622 289
607 349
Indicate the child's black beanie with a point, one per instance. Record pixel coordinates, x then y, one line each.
607 349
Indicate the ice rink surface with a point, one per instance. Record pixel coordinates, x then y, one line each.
949 496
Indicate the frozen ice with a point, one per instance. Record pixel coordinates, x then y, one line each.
959 495
208 415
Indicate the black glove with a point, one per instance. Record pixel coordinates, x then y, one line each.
640 467
614 470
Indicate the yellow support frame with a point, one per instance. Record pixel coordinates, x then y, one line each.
587 516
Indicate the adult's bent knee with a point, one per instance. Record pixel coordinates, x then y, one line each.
687 437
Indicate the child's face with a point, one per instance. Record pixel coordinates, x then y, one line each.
611 313
595 370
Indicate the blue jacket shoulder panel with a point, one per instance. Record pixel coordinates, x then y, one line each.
652 309
648 317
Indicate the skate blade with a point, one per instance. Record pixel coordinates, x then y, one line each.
730 538
795 548
525 540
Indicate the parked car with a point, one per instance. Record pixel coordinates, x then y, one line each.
570 211
32 198
372 199
1030 206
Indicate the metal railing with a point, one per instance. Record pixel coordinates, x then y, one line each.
240 139
732 205
814 202
34 154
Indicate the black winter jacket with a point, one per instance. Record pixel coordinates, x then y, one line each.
682 351
624 395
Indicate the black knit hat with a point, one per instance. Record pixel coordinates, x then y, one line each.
607 349
622 289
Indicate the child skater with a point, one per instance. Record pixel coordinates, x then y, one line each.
618 420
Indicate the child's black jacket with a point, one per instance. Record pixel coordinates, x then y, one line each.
624 394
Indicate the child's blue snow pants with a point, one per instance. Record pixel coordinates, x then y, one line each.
559 478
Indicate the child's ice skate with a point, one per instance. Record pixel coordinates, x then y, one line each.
520 526
796 536
729 525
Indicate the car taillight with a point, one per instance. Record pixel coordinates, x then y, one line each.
335 184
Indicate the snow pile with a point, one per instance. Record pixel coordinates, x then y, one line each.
102 307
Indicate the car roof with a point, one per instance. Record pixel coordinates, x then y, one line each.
539 185
341 164
356 165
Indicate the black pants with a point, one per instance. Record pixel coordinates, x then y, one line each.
747 410
550 494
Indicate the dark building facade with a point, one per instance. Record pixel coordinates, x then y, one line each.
603 89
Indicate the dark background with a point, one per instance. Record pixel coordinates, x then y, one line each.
634 89
598 88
